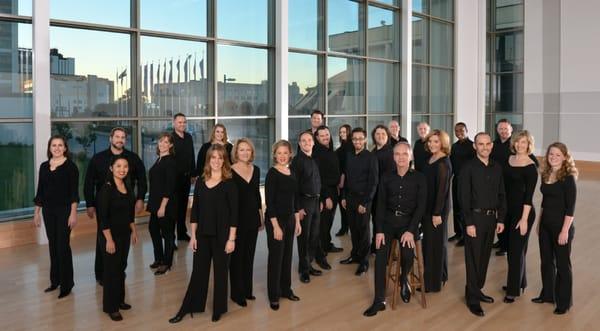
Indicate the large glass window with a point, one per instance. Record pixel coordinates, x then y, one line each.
504 83
158 15
108 12
344 27
383 33
304 19
90 81
16 75
304 93
243 20
345 90
16 168
383 94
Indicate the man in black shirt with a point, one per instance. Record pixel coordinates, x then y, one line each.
483 202
309 188
420 154
329 169
401 198
359 188
395 136
97 174
462 151
185 164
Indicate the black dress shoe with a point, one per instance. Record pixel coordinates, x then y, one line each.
323 264
177 318
116 316
362 269
274 305
560 311
349 260
500 253
541 300
496 244
460 242
184 237
51 288
333 249
374 309
509 299
341 232
64 293
314 272
405 292
476 310
124 306
241 303
216 317
250 297
454 237
162 270
304 277
155 264
486 299
293 297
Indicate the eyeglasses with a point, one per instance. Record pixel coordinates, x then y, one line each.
358 139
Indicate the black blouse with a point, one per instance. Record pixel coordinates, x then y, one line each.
58 187
202 156
420 155
520 185
162 183
115 210
249 200
559 197
215 209
281 194
342 153
385 159
439 175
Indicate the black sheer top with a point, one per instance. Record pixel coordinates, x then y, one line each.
249 200
438 174
215 209
520 185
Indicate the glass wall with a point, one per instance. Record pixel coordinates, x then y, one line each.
504 73
345 61
433 64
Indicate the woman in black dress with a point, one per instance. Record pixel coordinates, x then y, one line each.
218 135
214 218
438 171
115 209
556 228
344 148
57 198
520 178
384 152
162 204
247 179
282 224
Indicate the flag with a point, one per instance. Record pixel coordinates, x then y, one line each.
123 75
152 77
165 71
185 69
145 86
178 75
171 71
201 67
194 67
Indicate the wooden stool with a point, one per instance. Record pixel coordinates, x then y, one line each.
415 278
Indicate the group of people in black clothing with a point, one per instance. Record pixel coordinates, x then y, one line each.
404 190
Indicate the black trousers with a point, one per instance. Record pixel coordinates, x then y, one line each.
459 221
326 222
114 275
162 229
56 221
407 256
343 219
309 243
435 253
182 195
557 275
359 229
210 249
100 250
477 255
279 262
516 278
241 266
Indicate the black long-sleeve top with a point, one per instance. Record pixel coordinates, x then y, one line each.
342 154
202 156
520 186
249 200
307 172
439 175
559 198
99 169
115 210
394 141
406 194
481 186
281 194
162 183
184 153
420 155
57 187
215 209
385 159
462 151
329 169
362 176
501 151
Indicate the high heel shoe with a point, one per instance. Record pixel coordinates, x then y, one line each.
155 265
560 311
162 270
64 293
177 318
51 288
541 300
509 299
116 316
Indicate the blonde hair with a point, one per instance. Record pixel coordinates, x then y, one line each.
566 169
212 132
236 146
522 134
281 143
225 170
444 140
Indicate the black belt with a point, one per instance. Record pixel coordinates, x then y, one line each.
398 213
311 195
487 212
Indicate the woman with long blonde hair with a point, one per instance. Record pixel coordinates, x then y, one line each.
218 136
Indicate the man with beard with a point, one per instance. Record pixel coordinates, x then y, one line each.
185 164
97 174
